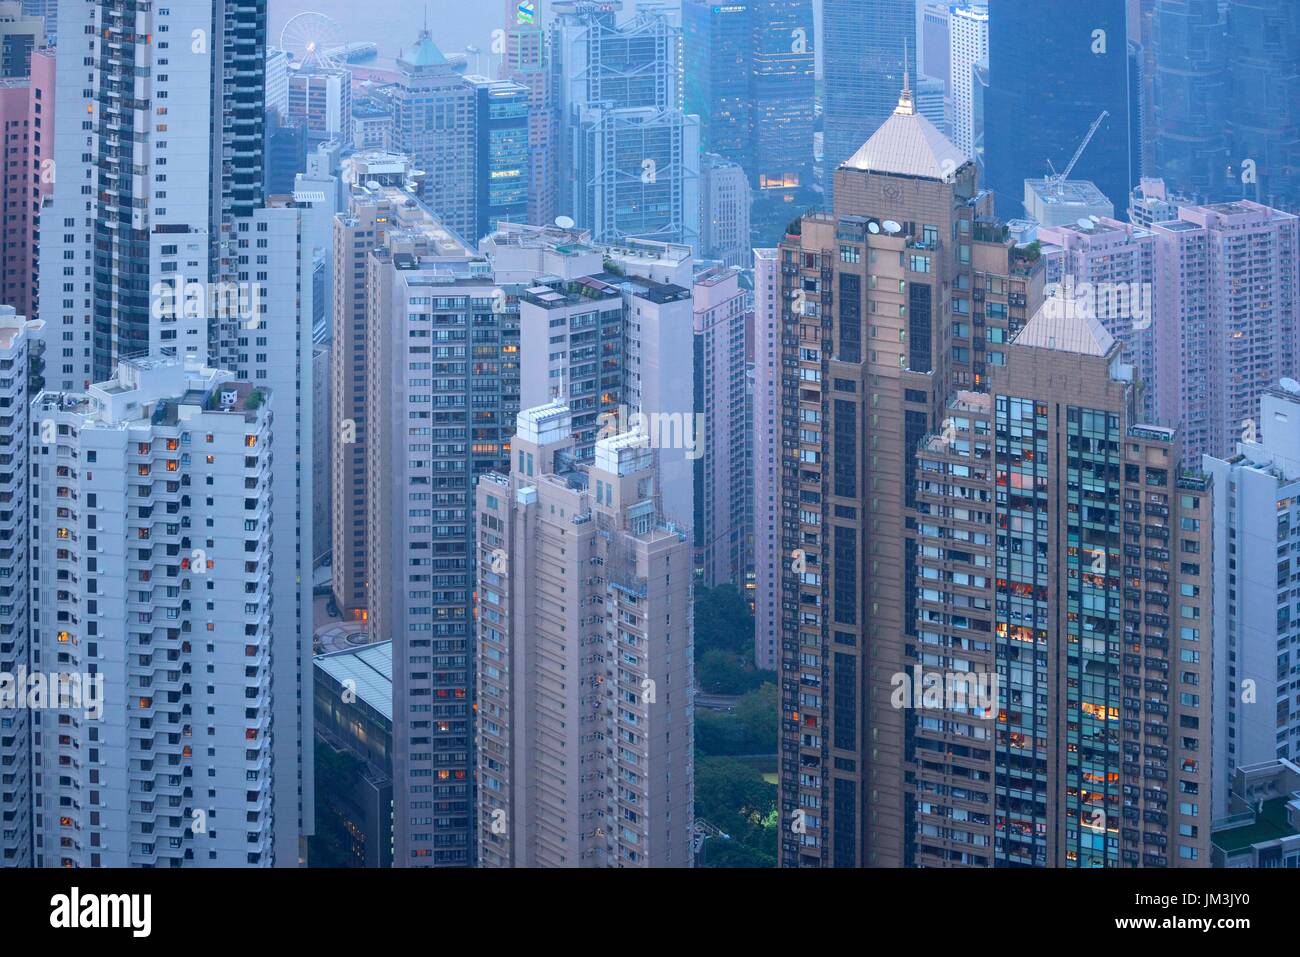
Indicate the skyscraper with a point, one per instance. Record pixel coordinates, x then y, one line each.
1053 67
1256 629
630 154
864 43
20 34
1227 318
969 36
501 164
641 308
767 457
15 589
782 92
124 229
364 225
749 72
585 657
723 471
935 49
910 290
26 122
1190 89
1107 271
724 211
320 99
442 362
1263 41
153 558
1056 697
164 250
433 123
718 40
525 60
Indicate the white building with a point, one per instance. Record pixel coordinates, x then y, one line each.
725 198
16 334
273 349
1256 717
968 36
610 330
277 81
152 550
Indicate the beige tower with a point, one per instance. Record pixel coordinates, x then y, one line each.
585 658
909 290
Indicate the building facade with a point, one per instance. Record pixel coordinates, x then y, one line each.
16 337
1057 693
442 384
723 471
1051 73
585 658
152 493
968 34
1227 311
910 290
629 152
864 47
1256 629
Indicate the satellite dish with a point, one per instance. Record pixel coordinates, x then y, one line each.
373 185
1094 217
564 222
873 227
1084 222
892 227
1291 386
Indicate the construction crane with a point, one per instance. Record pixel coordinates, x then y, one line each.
1057 180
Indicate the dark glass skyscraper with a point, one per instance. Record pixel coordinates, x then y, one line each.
1264 101
718 46
782 93
501 153
1054 65
1189 134
864 44
1227 100
749 77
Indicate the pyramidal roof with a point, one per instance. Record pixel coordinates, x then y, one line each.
1060 326
908 144
424 53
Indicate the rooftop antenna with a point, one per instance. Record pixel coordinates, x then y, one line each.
905 106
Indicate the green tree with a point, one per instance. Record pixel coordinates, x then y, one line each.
723 621
734 798
756 713
722 672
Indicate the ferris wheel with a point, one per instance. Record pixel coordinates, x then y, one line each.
313 40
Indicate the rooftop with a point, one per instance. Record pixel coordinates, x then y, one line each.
370 668
424 53
1057 326
1270 823
908 144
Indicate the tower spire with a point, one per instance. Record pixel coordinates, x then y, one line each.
905 106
